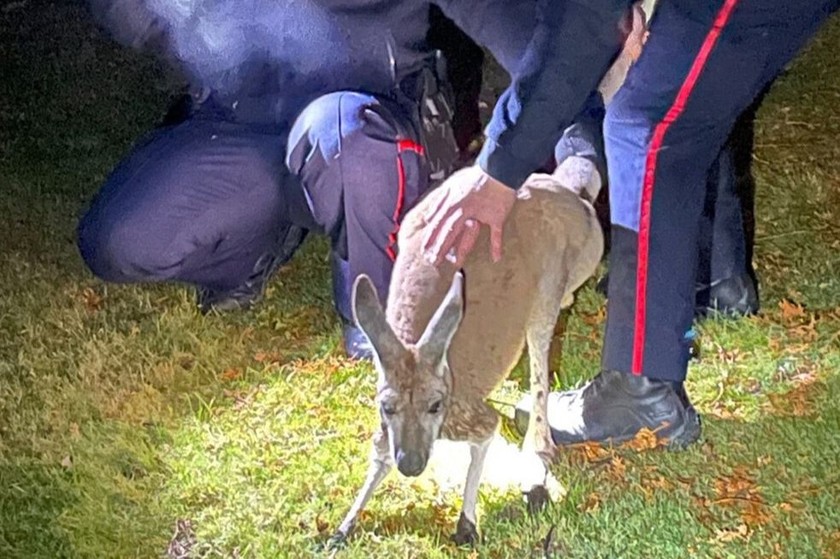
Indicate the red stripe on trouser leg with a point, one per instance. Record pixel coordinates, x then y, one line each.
721 19
402 146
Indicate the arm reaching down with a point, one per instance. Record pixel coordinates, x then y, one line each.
570 49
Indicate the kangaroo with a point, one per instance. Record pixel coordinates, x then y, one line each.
447 337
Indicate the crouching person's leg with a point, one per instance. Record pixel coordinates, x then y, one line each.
727 281
201 203
362 166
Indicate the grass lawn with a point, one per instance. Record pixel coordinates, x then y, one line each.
131 426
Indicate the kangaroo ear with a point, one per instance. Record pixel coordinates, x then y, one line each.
370 317
435 340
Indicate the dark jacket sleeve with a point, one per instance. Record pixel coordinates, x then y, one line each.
571 47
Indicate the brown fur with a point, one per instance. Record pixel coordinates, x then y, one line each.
547 226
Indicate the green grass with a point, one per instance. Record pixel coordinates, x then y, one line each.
123 411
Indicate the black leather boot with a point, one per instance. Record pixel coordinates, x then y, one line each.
613 407
252 290
733 296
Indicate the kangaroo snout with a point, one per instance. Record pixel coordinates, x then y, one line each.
411 464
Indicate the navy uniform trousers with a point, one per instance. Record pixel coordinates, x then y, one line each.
703 65
205 201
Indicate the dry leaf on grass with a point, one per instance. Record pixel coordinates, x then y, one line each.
270 358
799 402
832 546
790 310
91 299
756 514
594 319
591 452
592 503
321 525
726 535
645 439
728 356
617 468
231 374
739 491
806 332
739 485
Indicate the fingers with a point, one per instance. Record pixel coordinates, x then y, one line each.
496 242
435 224
443 236
431 212
467 241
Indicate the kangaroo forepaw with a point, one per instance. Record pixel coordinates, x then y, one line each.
337 541
538 498
465 533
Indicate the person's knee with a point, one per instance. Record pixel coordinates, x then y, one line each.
627 118
121 250
337 124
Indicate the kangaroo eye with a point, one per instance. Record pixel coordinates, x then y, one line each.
388 409
435 408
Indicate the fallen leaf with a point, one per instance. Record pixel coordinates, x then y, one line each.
272 358
728 356
592 503
702 511
807 332
592 452
790 310
617 468
231 374
738 486
832 546
727 535
645 439
739 491
660 482
321 525
596 318
756 514
650 486
67 462
91 299
799 402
